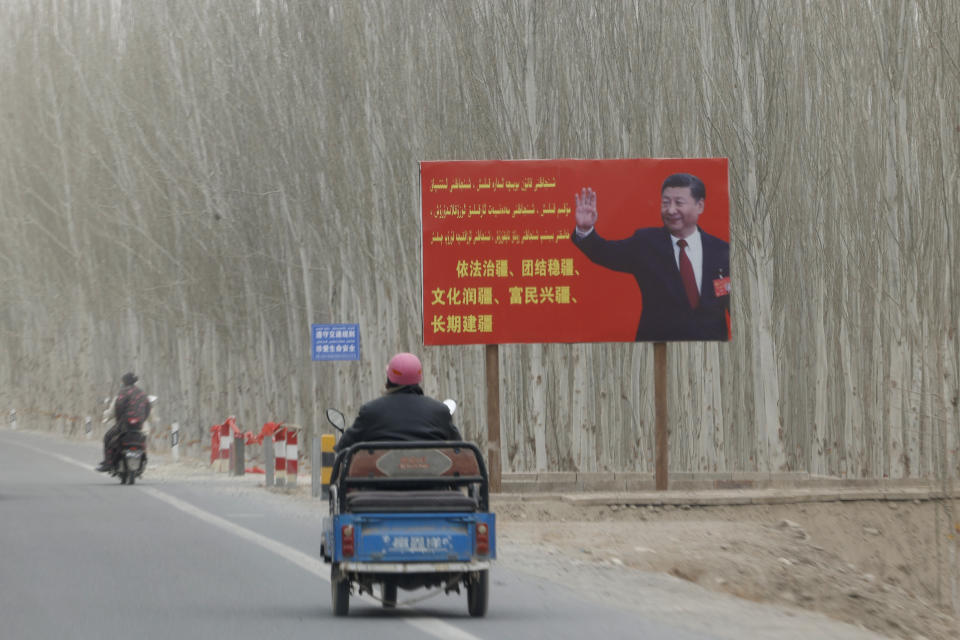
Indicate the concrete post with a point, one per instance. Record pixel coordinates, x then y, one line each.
268 462
315 463
238 456
88 427
327 456
13 419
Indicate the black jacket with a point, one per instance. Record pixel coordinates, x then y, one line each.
132 407
402 414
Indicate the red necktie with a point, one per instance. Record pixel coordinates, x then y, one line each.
686 274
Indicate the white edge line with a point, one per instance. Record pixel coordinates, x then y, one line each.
299 558
433 626
62 458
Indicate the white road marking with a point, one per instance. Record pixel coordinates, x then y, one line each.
440 629
432 626
74 462
299 558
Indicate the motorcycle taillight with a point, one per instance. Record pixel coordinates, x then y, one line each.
346 537
482 539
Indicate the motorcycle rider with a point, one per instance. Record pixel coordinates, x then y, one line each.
131 408
403 412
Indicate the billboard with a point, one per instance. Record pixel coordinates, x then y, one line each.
535 251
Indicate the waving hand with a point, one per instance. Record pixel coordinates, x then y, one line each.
586 211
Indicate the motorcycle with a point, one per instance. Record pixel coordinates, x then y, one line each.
129 460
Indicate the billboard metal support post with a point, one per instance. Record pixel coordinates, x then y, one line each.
660 400
493 415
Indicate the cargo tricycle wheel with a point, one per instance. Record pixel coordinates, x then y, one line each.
478 588
339 591
389 595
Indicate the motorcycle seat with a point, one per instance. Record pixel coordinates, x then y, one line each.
132 438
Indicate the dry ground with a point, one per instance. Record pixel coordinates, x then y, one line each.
890 567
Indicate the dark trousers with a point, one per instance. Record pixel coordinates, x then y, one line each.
110 440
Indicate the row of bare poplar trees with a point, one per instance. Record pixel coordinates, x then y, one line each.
185 186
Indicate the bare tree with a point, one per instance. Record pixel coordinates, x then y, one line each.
186 186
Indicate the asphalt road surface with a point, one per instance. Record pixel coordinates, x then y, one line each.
82 556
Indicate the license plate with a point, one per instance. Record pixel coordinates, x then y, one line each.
418 544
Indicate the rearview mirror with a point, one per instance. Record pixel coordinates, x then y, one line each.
451 405
337 419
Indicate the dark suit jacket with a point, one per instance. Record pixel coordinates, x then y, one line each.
648 256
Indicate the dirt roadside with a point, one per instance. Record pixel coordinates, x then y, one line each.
890 567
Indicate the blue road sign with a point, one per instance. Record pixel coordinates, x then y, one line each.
336 341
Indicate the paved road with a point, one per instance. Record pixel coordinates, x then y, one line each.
82 556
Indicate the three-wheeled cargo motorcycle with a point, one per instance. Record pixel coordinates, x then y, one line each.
405 516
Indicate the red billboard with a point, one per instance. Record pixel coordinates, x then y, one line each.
524 251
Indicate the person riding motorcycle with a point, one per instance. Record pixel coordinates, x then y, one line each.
131 408
403 412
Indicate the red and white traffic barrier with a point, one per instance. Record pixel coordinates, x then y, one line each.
280 456
278 441
223 456
221 437
292 455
